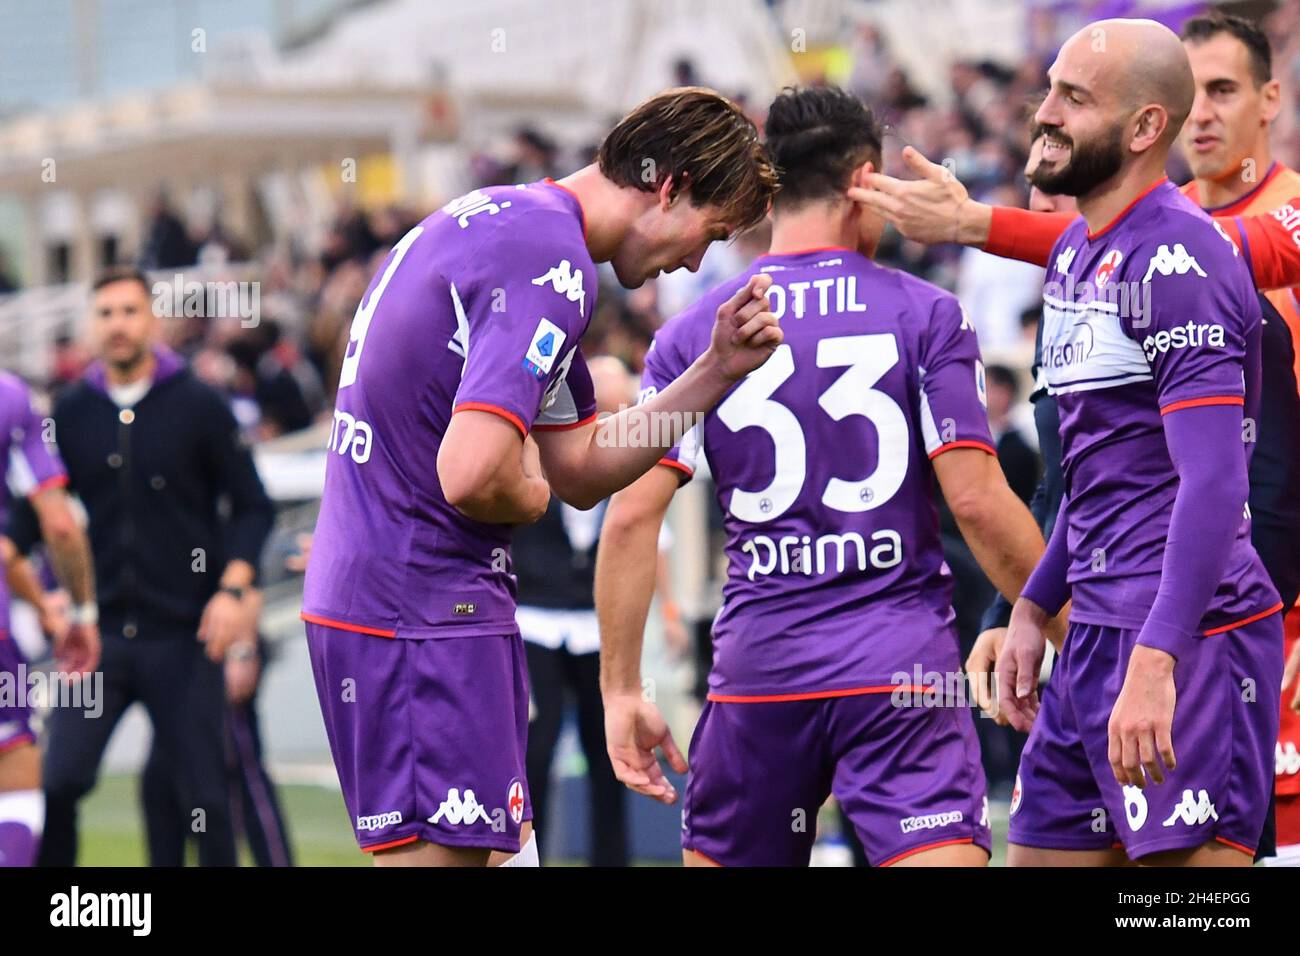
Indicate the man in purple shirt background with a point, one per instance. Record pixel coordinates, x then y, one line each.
1155 737
837 610
463 403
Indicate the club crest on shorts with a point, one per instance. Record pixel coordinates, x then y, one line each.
1017 793
515 801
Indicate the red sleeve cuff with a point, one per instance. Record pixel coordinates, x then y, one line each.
1198 402
969 443
509 416
684 469
54 481
564 428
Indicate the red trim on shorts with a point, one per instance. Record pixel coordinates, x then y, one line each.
812 695
706 857
511 417
17 742
1245 620
390 844
54 481
1198 402
564 428
673 463
929 846
345 626
968 443
1125 211
1249 851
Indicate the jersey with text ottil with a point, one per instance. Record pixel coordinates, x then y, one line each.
480 308
1155 313
836 579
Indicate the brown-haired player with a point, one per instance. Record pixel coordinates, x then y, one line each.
463 403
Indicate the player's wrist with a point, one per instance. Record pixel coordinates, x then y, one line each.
1174 642
85 614
974 222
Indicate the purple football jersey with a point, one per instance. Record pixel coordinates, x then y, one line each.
1154 313
480 307
836 579
32 463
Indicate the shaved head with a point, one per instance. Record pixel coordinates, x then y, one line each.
1121 91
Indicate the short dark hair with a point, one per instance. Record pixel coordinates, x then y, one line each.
115 274
1001 375
817 136
1200 29
703 141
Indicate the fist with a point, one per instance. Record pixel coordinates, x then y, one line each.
746 333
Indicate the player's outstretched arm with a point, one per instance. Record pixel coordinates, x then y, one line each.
490 471
69 550
586 465
625 582
1272 240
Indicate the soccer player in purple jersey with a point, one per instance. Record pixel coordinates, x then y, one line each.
463 403
1154 738
835 653
33 469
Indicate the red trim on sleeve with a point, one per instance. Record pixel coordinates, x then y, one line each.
813 695
54 481
1025 235
511 417
673 463
1244 621
345 626
928 846
564 428
376 847
968 443
1198 402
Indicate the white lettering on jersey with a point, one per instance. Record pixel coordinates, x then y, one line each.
1183 336
1179 261
1226 237
1287 759
794 554
566 281
1085 347
1193 810
1289 216
470 205
350 436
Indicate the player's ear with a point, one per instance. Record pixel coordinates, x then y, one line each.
859 179
1151 123
668 193
1271 94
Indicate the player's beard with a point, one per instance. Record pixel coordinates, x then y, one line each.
1090 164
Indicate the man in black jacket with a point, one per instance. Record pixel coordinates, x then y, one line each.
178 518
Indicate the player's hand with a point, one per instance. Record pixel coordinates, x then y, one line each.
1019 663
53 615
226 620
243 670
1142 721
979 669
1289 676
77 650
745 333
298 562
633 729
933 208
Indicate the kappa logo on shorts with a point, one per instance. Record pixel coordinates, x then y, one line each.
378 821
465 811
931 821
1193 810
515 800
984 812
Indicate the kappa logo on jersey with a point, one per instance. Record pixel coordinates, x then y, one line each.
470 205
966 324
566 281
1182 336
1064 260
1193 810
1167 263
1287 758
545 346
460 811
1017 795
378 821
931 821
1109 263
515 801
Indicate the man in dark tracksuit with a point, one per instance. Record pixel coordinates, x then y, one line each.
178 518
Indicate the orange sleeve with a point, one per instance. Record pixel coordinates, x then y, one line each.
1028 236
1272 242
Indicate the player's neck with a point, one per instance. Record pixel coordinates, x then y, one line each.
608 210
1235 181
812 227
1107 202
